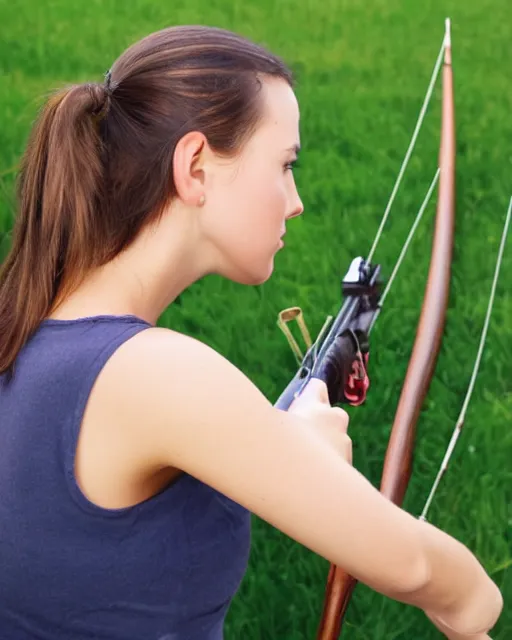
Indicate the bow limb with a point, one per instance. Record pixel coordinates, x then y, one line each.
399 454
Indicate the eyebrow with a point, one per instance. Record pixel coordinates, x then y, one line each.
295 147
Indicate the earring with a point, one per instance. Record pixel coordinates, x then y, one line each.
201 200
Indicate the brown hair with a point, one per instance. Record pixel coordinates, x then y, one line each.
98 164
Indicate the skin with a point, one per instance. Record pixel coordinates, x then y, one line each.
143 425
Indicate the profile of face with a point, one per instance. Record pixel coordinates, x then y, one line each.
249 198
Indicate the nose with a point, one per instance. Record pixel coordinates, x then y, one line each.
296 206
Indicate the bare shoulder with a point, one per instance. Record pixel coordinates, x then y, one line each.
204 416
163 366
197 412
182 393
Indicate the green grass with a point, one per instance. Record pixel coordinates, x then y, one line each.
362 70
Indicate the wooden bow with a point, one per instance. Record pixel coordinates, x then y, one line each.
398 459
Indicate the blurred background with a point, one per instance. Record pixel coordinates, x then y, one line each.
362 70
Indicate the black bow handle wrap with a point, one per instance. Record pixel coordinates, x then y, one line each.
334 368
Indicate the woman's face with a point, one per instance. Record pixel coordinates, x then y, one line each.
249 199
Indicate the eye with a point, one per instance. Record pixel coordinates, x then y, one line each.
289 166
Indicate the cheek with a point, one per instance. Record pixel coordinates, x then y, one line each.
264 208
245 224
258 204
266 194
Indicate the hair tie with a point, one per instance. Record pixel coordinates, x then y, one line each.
108 81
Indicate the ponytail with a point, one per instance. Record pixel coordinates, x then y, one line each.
59 188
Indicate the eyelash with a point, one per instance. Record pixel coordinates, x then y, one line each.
289 166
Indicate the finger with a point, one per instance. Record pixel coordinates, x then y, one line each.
349 453
315 389
342 418
347 449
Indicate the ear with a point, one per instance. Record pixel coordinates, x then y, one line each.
188 167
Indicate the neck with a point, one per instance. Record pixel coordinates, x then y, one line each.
147 277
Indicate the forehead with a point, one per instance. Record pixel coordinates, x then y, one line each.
280 111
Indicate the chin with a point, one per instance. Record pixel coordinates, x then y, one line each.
251 277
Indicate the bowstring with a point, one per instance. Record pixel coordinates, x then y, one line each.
410 236
410 149
460 421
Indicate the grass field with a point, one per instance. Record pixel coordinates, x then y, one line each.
362 70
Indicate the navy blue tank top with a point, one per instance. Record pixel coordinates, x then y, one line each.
164 569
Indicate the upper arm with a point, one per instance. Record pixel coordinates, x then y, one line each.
204 416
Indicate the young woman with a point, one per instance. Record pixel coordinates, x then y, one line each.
132 456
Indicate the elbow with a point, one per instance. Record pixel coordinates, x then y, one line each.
411 578
417 577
